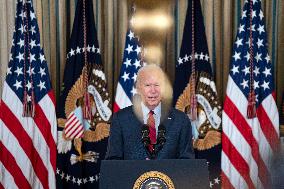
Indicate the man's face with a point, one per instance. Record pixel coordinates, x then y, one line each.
150 89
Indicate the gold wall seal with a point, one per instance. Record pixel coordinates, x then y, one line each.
154 179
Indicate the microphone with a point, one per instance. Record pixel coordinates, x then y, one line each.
161 139
145 135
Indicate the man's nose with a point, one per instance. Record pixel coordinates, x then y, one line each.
153 88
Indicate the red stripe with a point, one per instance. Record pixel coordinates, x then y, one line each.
45 128
11 165
71 123
243 127
237 160
52 97
77 131
274 95
226 184
268 129
79 127
70 127
115 107
26 143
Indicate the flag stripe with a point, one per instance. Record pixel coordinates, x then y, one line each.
238 141
26 143
24 163
226 182
49 112
121 98
269 103
75 133
268 129
234 177
71 118
69 125
44 127
115 107
73 128
9 166
237 160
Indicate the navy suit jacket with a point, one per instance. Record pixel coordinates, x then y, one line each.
125 137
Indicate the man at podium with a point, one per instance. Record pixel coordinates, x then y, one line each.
150 128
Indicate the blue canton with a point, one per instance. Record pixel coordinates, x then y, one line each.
131 64
240 63
37 75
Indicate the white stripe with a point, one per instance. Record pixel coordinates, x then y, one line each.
71 125
12 144
233 175
6 178
80 134
28 124
74 127
48 109
76 132
71 118
121 97
239 142
271 110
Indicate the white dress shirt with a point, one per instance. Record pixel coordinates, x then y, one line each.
157 115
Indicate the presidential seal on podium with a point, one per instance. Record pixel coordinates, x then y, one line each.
153 180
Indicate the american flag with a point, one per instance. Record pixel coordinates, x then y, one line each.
131 64
74 126
27 144
207 127
248 144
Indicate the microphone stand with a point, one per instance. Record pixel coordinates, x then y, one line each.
161 139
146 140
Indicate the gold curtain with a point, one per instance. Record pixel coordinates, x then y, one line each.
55 18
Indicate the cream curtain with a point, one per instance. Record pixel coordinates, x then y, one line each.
55 18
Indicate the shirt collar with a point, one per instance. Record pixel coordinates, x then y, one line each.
146 110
